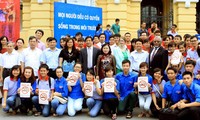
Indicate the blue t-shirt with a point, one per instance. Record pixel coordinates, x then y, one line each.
10 86
126 83
61 86
198 36
108 33
173 93
192 94
77 89
110 95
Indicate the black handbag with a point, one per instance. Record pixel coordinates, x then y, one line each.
168 114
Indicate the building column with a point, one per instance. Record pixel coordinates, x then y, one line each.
184 16
37 16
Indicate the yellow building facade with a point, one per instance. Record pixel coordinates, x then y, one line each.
130 12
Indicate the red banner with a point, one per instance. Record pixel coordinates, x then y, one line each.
10 19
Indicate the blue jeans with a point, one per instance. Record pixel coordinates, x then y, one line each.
74 105
46 108
94 106
58 107
10 103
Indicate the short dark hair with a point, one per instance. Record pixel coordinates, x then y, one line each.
165 37
47 40
15 67
157 70
39 30
101 35
127 33
108 25
143 32
91 71
126 61
117 35
95 36
139 40
108 68
181 43
194 37
112 36
187 73
174 25
81 39
59 67
170 35
79 33
32 37
186 36
88 37
179 36
44 66
52 39
146 41
117 19
192 62
106 44
171 68
171 44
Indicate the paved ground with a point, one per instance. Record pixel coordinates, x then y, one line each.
81 116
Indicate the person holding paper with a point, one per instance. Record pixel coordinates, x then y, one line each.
127 95
61 92
158 88
27 77
111 99
10 89
44 83
76 95
93 102
144 97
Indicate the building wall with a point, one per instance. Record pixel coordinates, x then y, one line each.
40 16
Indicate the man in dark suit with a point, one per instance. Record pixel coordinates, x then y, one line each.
158 57
89 55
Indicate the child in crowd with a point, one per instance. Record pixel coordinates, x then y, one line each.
10 90
59 102
177 39
75 97
94 102
182 48
44 82
110 100
26 103
145 98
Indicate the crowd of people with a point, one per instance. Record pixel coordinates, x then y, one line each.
105 55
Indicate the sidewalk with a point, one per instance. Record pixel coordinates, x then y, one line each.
81 116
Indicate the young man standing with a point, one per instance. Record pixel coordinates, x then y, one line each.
127 38
127 95
39 34
142 29
173 30
107 33
116 27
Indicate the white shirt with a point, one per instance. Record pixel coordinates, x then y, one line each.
89 57
32 58
9 60
112 47
136 58
99 44
170 33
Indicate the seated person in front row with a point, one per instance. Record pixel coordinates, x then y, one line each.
190 104
173 91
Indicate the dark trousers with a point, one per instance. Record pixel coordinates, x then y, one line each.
128 103
52 73
154 111
110 106
6 72
191 113
26 104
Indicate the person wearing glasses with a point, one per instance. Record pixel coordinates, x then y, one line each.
158 57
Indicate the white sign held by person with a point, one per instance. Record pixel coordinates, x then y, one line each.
25 90
88 86
143 84
176 57
109 85
44 97
73 77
